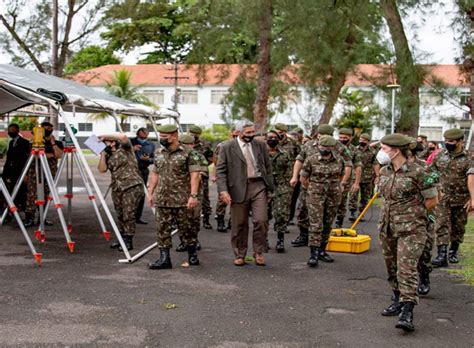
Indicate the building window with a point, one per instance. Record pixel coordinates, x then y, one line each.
189 97
185 126
431 98
125 127
149 127
464 98
433 133
156 96
85 127
62 127
217 96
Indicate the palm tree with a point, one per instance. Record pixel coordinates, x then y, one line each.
121 86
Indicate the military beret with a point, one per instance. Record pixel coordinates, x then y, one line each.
365 136
195 129
186 139
395 140
453 134
298 130
167 128
327 140
281 127
325 129
422 136
345 131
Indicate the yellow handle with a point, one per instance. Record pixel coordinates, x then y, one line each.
361 215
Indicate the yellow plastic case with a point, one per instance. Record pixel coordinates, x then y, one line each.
354 245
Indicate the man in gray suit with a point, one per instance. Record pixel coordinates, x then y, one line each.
244 180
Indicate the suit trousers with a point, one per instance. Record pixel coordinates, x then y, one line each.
255 202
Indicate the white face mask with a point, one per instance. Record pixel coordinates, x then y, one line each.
383 158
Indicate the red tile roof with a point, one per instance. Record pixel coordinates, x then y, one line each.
225 75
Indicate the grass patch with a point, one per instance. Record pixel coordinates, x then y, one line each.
466 263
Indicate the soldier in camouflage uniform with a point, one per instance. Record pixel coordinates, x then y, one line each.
455 167
126 183
204 148
309 149
279 207
423 150
173 189
321 175
54 150
353 185
408 195
369 164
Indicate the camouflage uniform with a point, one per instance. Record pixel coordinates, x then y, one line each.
355 159
289 146
127 186
368 159
53 166
204 148
323 194
403 224
196 225
279 207
451 217
172 193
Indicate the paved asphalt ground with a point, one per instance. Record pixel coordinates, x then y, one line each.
89 299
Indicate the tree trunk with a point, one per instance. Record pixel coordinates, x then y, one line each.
469 66
407 73
264 70
54 39
335 85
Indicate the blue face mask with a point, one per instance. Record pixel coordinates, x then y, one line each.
141 141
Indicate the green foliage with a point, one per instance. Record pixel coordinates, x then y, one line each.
467 255
26 123
90 57
359 111
3 146
216 134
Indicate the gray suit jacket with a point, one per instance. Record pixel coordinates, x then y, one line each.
231 168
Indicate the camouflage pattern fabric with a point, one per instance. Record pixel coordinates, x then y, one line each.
356 161
205 149
123 168
279 207
368 159
126 205
289 146
365 193
167 218
450 223
323 194
403 224
424 264
220 205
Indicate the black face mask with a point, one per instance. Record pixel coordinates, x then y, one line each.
247 138
362 144
432 149
272 142
12 134
196 138
48 132
324 152
281 136
165 142
345 142
419 143
108 150
450 147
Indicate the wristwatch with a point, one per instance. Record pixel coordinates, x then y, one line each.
194 195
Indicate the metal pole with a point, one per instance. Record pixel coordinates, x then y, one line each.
393 110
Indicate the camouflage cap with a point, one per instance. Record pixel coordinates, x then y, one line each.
298 130
453 134
395 140
325 129
186 139
365 136
345 131
281 127
413 143
195 129
167 128
328 141
422 136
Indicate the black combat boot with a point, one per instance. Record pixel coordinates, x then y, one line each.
395 307
302 239
323 255
424 283
442 259
339 221
116 245
128 240
182 246
29 220
164 262
192 255
313 256
198 245
453 252
280 245
405 320
221 224
353 216
205 222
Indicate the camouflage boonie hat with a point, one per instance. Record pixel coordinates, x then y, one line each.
186 139
325 129
453 134
328 141
395 140
345 131
298 130
281 127
365 136
167 128
195 129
